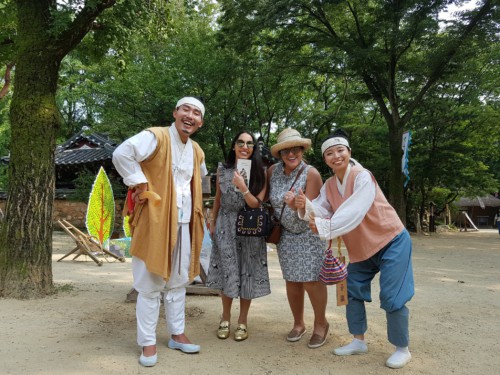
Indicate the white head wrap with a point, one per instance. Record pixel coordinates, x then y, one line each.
192 101
334 142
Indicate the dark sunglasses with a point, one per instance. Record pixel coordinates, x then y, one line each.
241 143
293 150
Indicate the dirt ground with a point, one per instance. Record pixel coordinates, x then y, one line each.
88 328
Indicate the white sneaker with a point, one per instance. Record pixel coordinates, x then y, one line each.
399 358
355 347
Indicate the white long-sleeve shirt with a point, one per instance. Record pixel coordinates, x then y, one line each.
350 213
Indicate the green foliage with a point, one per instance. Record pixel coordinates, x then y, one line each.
440 196
4 177
7 31
457 134
398 50
75 101
83 186
283 66
4 125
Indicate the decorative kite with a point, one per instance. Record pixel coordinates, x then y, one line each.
101 208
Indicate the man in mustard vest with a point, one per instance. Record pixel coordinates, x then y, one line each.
167 234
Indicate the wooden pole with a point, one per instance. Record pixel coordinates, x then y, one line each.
342 286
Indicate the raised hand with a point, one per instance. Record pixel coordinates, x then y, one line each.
239 181
300 199
136 195
290 198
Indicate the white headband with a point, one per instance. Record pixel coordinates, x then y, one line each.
334 142
192 101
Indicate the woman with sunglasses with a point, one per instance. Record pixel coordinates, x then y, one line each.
238 265
300 251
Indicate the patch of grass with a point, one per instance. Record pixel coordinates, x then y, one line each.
63 288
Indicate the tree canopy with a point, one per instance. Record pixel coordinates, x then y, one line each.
396 48
45 32
374 68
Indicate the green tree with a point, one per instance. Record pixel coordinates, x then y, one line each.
395 47
46 31
456 135
134 88
267 87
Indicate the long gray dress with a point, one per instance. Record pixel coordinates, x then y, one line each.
300 251
238 265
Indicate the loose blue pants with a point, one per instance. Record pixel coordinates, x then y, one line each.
396 288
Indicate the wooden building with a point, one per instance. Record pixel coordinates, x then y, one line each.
481 210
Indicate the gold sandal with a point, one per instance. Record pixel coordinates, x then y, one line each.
241 332
223 331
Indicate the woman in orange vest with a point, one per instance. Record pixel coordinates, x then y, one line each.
351 205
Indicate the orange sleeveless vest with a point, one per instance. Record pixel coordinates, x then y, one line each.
380 225
155 232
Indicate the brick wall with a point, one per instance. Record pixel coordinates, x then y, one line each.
75 213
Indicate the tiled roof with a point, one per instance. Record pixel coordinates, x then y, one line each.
97 147
83 155
96 138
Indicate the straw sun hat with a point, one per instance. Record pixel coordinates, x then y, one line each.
289 138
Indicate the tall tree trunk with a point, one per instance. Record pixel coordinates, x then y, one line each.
395 125
26 235
396 177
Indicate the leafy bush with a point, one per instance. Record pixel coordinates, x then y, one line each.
83 186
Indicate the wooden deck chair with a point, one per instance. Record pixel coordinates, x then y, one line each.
85 244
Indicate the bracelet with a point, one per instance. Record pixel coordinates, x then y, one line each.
246 192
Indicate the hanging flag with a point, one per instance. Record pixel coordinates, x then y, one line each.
404 161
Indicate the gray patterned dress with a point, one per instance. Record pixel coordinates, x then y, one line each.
300 251
238 265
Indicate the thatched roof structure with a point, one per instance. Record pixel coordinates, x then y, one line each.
488 201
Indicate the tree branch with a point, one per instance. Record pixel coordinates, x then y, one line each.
377 95
358 25
5 88
80 26
453 48
321 17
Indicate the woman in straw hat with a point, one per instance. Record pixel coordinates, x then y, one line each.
352 205
300 251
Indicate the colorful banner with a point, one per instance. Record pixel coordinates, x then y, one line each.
101 208
404 162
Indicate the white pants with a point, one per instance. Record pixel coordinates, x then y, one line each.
149 287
